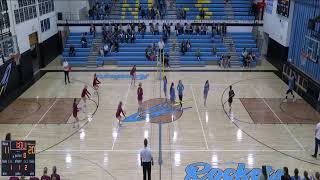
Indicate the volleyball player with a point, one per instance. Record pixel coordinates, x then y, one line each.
291 84
133 75
165 83
84 95
172 93
206 89
119 112
140 96
180 89
75 112
95 83
230 99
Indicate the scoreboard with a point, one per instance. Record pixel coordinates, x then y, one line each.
18 158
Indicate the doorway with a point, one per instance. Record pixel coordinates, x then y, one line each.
34 51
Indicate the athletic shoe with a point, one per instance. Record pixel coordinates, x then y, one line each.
314 156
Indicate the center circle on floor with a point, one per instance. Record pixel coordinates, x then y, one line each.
161 110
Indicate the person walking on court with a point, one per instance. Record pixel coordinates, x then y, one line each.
230 99
146 160
75 113
317 140
206 89
172 93
54 175
165 83
133 75
95 83
66 70
140 96
291 84
119 112
180 89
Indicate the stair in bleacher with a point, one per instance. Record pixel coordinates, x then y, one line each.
234 59
94 52
174 52
171 10
229 11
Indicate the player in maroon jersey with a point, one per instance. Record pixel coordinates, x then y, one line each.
133 75
140 96
34 178
54 175
96 82
75 112
119 112
45 176
84 95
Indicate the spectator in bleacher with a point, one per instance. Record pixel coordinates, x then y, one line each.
317 140
45 176
183 47
101 50
222 60
166 60
296 175
214 50
263 175
66 70
202 13
249 60
105 49
161 47
156 29
84 43
54 175
165 36
132 37
152 13
188 45
285 175
306 176
93 30
143 13
198 54
224 28
244 56
197 30
202 30
72 51
91 14
317 176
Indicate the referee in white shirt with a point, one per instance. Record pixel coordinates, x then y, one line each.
317 140
161 48
146 160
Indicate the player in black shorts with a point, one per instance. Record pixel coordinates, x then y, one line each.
230 99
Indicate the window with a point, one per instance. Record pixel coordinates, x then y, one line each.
45 25
27 10
46 6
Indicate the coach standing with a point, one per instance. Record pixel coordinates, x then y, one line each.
317 140
146 160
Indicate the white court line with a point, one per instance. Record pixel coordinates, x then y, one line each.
124 104
176 150
40 119
284 125
195 102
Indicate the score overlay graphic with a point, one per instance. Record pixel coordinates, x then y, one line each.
18 158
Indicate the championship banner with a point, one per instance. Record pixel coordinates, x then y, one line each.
5 79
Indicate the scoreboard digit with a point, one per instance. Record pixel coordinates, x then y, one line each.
18 158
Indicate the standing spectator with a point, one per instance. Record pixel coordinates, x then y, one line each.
161 47
146 160
93 30
54 175
180 89
286 175
263 175
105 49
306 176
84 43
45 176
317 140
244 56
66 70
296 175
198 54
140 96
183 47
72 51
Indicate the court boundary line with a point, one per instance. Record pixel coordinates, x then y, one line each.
284 125
177 150
199 117
55 101
124 105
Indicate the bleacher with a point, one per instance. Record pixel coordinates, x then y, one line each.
215 9
129 8
132 53
80 59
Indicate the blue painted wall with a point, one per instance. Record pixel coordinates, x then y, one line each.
303 11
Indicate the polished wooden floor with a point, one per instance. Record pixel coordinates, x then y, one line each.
101 150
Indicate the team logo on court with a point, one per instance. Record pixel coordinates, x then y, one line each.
202 171
5 79
156 111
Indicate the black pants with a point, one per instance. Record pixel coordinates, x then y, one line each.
317 143
146 166
180 99
66 76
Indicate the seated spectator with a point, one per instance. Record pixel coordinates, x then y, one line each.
227 62
101 52
156 29
198 54
214 50
188 45
84 43
127 37
166 60
296 175
105 49
143 13
72 51
183 47
54 175
249 60
244 55
152 28
132 37
306 176
197 29
45 176
285 175
202 30
201 14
